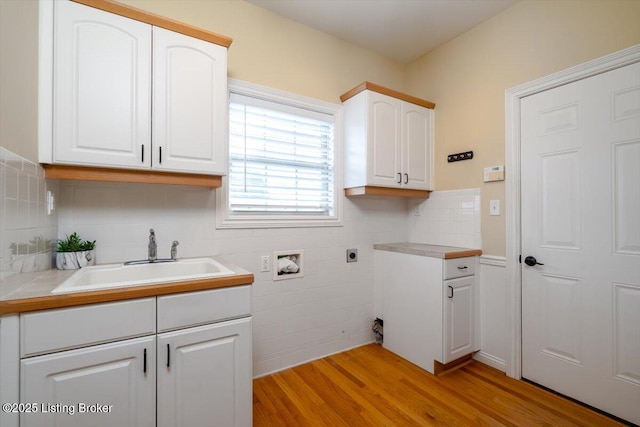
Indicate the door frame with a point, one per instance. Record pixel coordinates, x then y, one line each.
513 315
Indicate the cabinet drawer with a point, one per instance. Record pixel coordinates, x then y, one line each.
65 328
196 308
459 267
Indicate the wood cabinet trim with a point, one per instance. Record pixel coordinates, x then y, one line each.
83 173
157 20
118 294
370 190
386 91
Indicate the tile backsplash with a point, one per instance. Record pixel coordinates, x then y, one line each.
329 309
27 233
450 218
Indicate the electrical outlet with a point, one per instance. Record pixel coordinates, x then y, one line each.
264 263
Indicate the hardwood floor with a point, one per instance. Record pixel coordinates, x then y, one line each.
370 386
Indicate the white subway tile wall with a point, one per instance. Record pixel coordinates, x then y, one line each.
450 218
328 310
27 233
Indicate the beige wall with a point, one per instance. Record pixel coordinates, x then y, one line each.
19 77
274 51
467 78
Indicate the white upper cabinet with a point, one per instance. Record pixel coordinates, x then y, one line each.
102 88
189 104
130 95
388 142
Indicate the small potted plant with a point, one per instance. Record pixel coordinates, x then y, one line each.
74 253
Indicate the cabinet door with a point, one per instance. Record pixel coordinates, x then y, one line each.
459 318
204 375
417 123
102 88
190 108
384 136
114 376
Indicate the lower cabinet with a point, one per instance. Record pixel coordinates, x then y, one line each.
428 309
104 385
203 378
194 371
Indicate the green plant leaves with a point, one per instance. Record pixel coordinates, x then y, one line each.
74 243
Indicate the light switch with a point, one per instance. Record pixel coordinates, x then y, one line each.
494 207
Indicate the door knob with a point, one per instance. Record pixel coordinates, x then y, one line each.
531 261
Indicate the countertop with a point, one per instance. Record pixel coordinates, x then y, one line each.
433 251
32 291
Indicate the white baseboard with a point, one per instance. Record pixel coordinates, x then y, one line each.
490 360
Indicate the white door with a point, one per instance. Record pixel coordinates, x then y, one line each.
120 377
459 318
190 108
102 88
580 219
384 136
204 376
417 124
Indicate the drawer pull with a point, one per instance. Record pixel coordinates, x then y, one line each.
168 356
450 292
462 267
144 361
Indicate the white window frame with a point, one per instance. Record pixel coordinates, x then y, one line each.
227 219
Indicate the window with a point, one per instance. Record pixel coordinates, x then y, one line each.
282 161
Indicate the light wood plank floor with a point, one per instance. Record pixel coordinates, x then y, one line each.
370 386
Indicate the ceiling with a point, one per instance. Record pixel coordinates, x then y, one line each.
403 30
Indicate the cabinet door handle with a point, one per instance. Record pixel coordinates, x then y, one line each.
142 153
399 178
450 292
160 149
144 361
168 356
406 178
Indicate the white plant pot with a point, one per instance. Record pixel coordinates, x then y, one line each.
75 260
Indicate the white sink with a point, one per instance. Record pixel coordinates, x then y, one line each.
119 275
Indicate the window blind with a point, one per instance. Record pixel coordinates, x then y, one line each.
281 159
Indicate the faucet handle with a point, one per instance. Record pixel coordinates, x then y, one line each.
174 250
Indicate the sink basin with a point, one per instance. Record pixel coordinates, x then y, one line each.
119 275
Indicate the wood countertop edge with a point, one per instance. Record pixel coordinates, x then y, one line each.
119 294
428 251
462 254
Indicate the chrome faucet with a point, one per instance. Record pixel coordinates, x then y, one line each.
174 250
153 251
153 246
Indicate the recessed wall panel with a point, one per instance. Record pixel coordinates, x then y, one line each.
626 197
560 200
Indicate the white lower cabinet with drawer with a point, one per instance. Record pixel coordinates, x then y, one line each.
109 365
428 306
